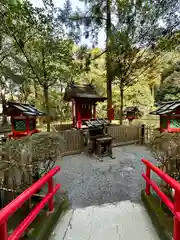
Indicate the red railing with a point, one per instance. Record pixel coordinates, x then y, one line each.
13 206
173 206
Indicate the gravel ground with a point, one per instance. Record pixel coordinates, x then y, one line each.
90 182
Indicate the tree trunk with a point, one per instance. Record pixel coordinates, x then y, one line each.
121 103
108 56
4 117
46 98
35 90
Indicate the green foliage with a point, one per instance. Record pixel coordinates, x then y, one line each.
26 156
169 87
41 52
38 54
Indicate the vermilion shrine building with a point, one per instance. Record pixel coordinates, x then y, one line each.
84 99
23 118
169 113
131 113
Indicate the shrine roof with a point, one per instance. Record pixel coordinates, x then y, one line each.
166 107
85 91
131 109
22 108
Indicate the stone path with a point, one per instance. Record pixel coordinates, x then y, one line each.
121 221
105 197
90 182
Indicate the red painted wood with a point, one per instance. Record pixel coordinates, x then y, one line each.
94 111
73 114
21 133
4 231
173 206
30 218
50 190
12 207
176 220
84 110
148 175
162 195
111 114
168 124
168 128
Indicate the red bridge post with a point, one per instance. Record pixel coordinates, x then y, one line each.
4 231
148 175
176 221
12 207
50 190
174 206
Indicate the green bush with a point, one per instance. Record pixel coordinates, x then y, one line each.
28 158
165 148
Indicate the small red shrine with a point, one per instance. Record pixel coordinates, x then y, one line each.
84 99
23 118
131 113
169 113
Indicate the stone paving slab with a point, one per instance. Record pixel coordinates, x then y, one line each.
124 220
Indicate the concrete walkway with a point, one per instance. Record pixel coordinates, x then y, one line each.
120 221
105 197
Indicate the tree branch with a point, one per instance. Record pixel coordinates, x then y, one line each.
144 70
99 55
29 37
3 58
44 69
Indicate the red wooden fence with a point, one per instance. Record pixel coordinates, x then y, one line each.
173 206
13 206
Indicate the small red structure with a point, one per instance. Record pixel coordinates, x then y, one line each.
131 113
174 206
84 99
23 118
169 113
111 113
12 207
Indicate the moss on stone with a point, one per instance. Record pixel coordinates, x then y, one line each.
162 221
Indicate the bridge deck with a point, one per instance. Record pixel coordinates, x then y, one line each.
121 221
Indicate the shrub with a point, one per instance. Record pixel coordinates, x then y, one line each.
26 159
165 148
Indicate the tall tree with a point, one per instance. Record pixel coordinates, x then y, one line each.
135 38
131 28
96 16
38 36
169 88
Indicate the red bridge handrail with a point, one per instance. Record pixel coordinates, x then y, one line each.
13 206
169 180
173 206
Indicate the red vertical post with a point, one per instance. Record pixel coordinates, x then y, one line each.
168 124
4 231
27 124
94 111
50 189
148 175
79 108
176 222
73 115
